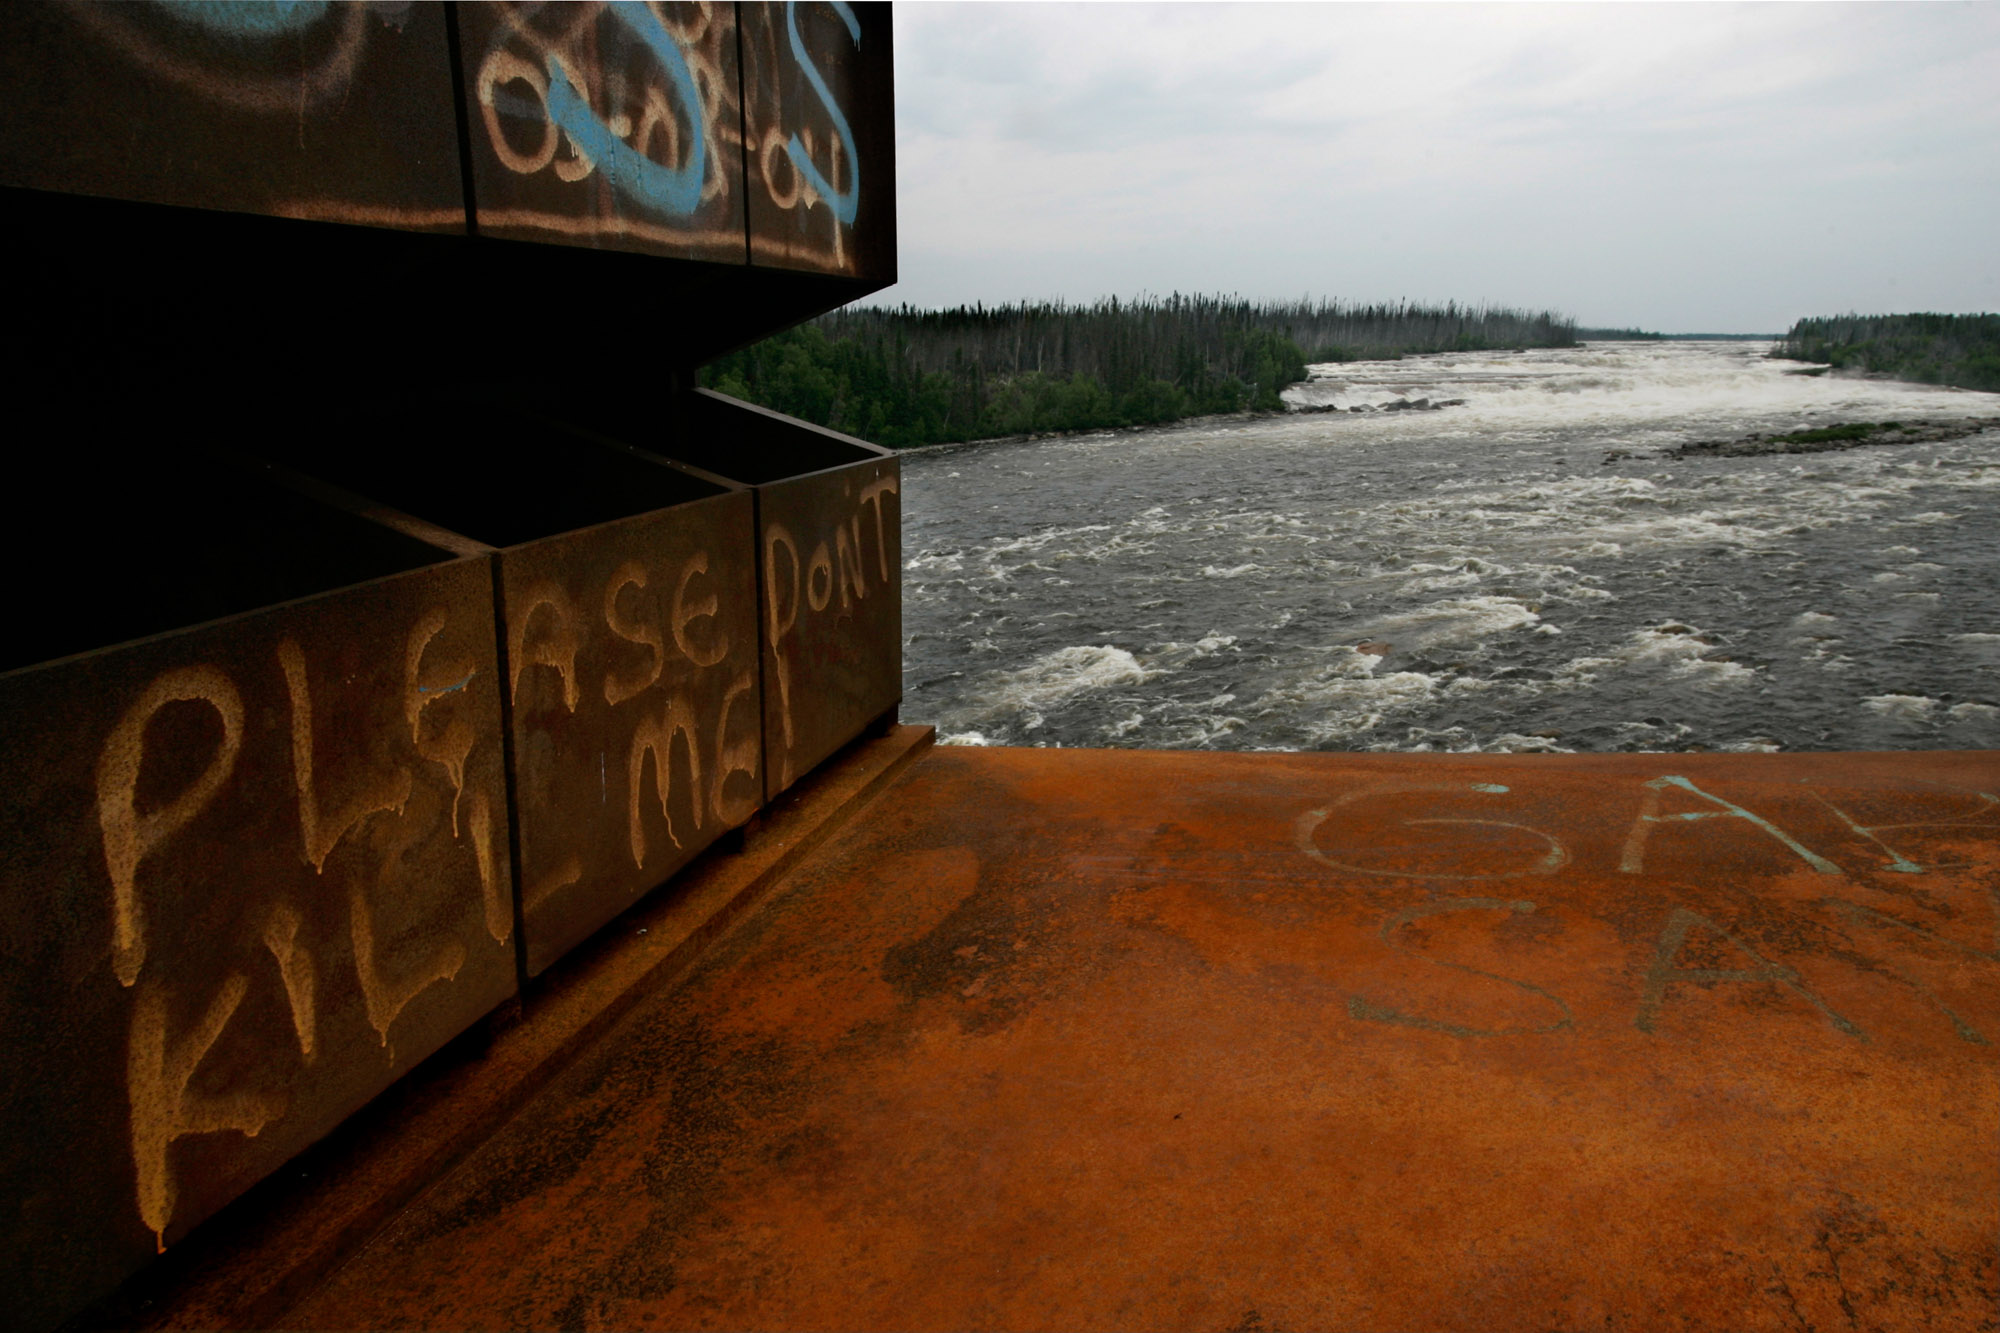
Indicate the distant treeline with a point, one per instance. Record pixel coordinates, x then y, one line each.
1960 350
1640 335
906 376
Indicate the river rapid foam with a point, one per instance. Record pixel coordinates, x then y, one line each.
1473 577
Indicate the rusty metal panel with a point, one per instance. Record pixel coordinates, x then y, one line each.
631 654
831 549
628 637
819 127
334 111
607 125
829 552
1111 1039
250 872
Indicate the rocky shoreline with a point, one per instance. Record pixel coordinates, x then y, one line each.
1254 414
1848 435
1393 405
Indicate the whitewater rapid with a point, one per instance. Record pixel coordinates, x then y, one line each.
1472 577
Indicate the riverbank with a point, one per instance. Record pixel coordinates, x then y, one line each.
1960 351
1148 428
909 377
1291 408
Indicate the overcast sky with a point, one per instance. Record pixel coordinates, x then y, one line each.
1682 167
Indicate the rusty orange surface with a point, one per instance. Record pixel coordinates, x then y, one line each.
1067 1039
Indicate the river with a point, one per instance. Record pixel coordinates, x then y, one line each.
1473 577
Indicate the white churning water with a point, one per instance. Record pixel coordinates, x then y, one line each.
1471 577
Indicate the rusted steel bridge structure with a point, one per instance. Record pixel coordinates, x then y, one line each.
461 867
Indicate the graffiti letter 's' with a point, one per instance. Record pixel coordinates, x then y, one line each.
631 574
686 614
844 205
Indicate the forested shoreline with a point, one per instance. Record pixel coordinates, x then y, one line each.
904 376
1958 350
1618 336
1641 335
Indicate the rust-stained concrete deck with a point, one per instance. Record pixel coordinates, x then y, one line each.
1065 1039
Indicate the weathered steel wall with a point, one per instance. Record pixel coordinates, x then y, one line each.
829 557
250 872
830 573
622 126
615 130
820 138
258 865
831 564
607 125
628 638
630 127
632 676
339 111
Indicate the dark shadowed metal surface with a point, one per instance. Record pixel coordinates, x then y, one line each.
607 125
250 872
829 523
264 1254
191 176
629 639
1073 1039
254 867
632 657
340 111
819 134
831 555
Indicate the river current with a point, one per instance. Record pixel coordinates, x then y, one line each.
1471 577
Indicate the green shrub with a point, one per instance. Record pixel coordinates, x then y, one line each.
1958 350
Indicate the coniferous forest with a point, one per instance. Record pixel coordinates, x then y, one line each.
904 376
1959 350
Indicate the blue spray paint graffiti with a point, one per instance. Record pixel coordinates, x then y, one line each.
845 204
675 191
259 19
716 132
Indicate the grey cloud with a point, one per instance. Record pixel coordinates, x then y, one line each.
1675 166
